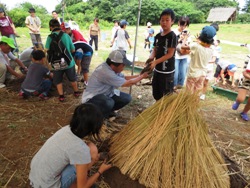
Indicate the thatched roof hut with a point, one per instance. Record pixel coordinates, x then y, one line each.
222 14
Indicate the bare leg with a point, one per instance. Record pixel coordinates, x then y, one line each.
60 88
74 85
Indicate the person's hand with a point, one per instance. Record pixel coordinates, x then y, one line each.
152 65
104 167
20 76
145 74
224 82
233 85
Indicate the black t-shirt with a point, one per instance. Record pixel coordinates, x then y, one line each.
162 43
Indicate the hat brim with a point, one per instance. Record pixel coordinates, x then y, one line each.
127 62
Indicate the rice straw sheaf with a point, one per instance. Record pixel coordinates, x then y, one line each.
168 145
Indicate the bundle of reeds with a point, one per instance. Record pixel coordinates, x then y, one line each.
168 145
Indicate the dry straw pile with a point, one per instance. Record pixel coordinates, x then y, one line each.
168 146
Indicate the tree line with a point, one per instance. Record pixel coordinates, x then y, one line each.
83 12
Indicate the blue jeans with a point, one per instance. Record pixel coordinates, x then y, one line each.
108 104
180 71
68 176
44 88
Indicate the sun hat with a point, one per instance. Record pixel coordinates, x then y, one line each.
119 56
149 24
231 69
9 41
32 10
123 22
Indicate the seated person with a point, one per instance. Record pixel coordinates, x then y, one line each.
36 82
104 81
6 45
65 158
225 70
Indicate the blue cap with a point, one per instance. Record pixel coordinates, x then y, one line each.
232 68
208 32
123 22
151 31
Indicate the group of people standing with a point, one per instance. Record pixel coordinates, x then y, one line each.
65 159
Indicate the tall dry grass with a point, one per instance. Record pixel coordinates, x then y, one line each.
168 146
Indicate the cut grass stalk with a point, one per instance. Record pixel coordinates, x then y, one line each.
168 145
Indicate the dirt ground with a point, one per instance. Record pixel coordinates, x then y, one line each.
26 124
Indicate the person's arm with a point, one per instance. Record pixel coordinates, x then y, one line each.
134 80
20 63
13 72
222 77
246 74
129 43
167 56
82 175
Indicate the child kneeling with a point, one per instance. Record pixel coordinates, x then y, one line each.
37 81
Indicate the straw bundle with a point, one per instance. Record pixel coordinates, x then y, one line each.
168 146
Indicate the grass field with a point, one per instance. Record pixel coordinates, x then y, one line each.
230 32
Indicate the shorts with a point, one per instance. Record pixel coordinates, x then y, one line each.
70 73
195 84
68 176
85 64
245 84
217 71
162 84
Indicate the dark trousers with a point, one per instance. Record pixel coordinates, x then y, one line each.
95 39
109 104
44 88
163 84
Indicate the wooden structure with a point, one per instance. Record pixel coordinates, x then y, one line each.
220 14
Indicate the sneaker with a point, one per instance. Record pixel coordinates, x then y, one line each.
244 116
61 98
202 97
43 97
22 95
2 85
235 105
77 93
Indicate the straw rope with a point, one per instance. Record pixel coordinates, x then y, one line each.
168 145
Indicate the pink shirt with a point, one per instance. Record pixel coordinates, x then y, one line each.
5 26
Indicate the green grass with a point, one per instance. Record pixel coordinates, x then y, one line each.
231 32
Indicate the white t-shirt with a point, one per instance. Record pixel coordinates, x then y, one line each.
103 81
60 150
200 57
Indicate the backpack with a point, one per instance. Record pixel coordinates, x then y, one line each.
58 55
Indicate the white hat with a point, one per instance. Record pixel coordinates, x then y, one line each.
66 25
119 56
149 24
